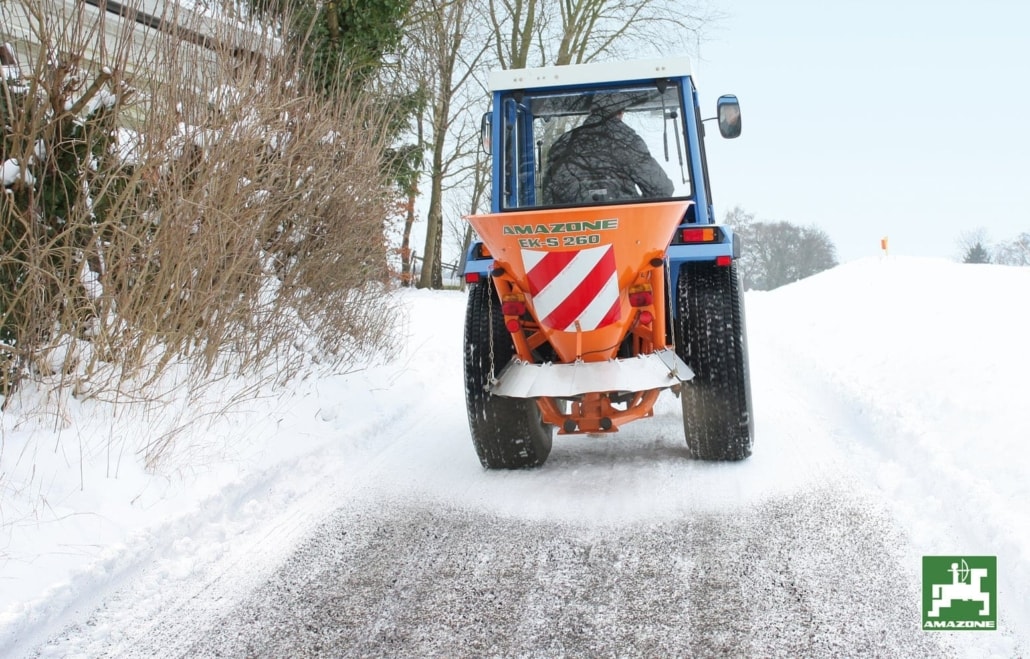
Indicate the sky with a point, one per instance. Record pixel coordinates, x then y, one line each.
864 403
908 119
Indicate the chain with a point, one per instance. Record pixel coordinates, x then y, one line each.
671 297
490 316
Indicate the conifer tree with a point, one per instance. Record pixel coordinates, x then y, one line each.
977 253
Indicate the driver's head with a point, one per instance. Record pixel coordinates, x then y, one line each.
608 104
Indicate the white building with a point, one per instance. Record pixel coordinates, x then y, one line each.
131 35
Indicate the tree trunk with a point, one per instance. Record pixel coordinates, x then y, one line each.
431 276
407 277
434 224
409 221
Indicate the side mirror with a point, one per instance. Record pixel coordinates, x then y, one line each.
486 133
729 116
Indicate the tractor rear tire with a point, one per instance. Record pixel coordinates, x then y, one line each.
507 432
711 338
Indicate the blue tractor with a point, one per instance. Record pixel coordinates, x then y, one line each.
600 278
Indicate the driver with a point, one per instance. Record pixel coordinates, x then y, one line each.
603 160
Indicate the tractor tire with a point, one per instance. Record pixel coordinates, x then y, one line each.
507 432
711 338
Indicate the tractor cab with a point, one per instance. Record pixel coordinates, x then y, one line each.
534 113
535 110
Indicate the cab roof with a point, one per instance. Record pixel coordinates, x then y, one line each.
583 74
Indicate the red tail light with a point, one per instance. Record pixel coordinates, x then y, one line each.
698 235
641 299
513 307
723 261
641 295
513 325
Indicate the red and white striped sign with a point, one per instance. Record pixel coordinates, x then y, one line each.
579 285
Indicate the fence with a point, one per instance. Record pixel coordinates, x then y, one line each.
451 272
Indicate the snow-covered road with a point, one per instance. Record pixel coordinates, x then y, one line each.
379 534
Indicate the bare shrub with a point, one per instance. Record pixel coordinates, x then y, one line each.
177 200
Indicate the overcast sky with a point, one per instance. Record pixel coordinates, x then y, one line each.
908 119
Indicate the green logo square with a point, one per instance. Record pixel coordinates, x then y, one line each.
960 592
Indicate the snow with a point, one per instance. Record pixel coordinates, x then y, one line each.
900 380
11 172
102 99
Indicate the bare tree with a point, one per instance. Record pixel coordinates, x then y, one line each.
445 56
473 197
816 252
541 32
479 200
742 223
779 253
515 27
1016 252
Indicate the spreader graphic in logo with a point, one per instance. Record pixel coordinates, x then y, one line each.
577 286
960 592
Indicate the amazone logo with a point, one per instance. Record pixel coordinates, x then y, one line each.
561 227
959 624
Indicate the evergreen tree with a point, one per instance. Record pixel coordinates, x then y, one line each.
977 253
51 150
346 38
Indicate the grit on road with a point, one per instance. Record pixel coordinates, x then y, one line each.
790 578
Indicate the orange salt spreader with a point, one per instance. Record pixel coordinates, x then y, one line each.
583 282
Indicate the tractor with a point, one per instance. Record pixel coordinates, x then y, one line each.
589 296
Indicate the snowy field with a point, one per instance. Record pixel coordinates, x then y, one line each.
895 386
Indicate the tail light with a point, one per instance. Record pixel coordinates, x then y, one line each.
641 296
695 235
513 305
